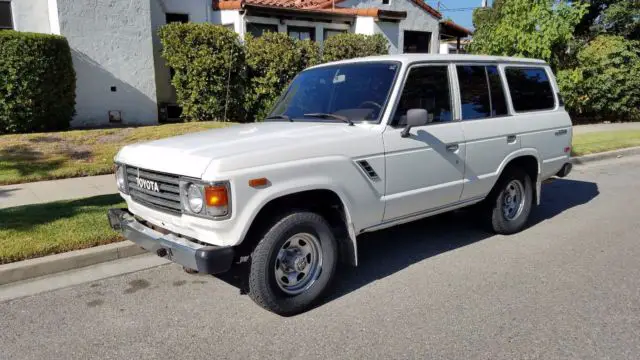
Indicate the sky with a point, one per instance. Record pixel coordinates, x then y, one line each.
459 10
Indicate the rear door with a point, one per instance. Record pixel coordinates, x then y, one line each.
491 133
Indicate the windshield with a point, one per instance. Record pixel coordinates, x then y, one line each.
351 92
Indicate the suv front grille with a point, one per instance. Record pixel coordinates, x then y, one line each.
167 196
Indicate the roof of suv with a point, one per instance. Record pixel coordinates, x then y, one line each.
409 58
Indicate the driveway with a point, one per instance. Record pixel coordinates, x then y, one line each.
567 287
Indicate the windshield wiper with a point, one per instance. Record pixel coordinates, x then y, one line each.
281 116
330 116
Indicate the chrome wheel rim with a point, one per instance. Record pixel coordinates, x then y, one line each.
298 263
513 200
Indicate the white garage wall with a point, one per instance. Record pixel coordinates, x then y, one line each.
417 20
31 15
111 44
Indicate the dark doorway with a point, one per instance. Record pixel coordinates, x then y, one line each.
417 41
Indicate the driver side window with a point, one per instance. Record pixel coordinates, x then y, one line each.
426 87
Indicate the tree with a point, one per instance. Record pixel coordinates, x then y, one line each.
527 28
612 17
605 85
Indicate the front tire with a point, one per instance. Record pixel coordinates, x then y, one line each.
293 264
510 203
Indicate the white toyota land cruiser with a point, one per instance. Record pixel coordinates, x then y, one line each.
351 147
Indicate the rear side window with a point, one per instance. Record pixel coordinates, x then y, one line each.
530 89
426 87
481 92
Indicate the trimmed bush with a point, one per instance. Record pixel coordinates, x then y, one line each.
605 85
208 61
272 61
37 82
349 46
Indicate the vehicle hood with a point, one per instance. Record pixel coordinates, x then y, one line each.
240 146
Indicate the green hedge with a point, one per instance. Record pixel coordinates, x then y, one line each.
37 82
217 77
272 61
605 85
349 46
208 61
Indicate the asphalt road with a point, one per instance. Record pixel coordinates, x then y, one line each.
567 287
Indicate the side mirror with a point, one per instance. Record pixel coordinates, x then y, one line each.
415 117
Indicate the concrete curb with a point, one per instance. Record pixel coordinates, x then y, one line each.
580 160
28 269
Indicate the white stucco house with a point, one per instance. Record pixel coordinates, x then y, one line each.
122 77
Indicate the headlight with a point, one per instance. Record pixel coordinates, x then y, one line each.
121 178
194 198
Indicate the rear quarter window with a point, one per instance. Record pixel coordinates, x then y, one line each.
530 89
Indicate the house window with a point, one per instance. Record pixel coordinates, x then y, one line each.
177 18
332 32
6 19
302 33
258 30
417 41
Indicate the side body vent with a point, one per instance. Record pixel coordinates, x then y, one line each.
369 170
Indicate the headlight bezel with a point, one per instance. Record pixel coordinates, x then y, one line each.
207 212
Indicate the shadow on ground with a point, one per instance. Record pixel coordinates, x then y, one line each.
386 252
5 193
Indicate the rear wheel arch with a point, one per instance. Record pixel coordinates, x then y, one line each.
324 202
530 163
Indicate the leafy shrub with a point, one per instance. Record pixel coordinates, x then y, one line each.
605 85
349 46
37 82
208 61
272 61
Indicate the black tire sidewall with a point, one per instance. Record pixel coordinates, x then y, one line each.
263 282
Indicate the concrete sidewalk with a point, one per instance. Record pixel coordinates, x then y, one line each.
55 190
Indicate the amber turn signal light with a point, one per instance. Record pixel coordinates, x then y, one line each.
258 182
216 195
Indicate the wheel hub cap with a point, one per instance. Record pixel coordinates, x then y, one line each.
298 263
513 200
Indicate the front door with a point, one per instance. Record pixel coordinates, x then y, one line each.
425 170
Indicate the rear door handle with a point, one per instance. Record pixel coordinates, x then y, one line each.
561 132
453 147
511 139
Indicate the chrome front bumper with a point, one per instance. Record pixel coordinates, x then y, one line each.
207 259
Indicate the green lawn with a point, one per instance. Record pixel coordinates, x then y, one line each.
56 155
595 142
38 230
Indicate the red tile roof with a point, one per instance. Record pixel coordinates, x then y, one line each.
307 4
319 7
453 27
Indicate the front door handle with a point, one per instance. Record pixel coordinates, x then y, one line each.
511 139
453 147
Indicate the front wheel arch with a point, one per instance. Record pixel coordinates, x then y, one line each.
324 202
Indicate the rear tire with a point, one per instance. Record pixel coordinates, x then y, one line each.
293 264
510 202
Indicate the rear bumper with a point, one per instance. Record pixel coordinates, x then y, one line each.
207 259
565 170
